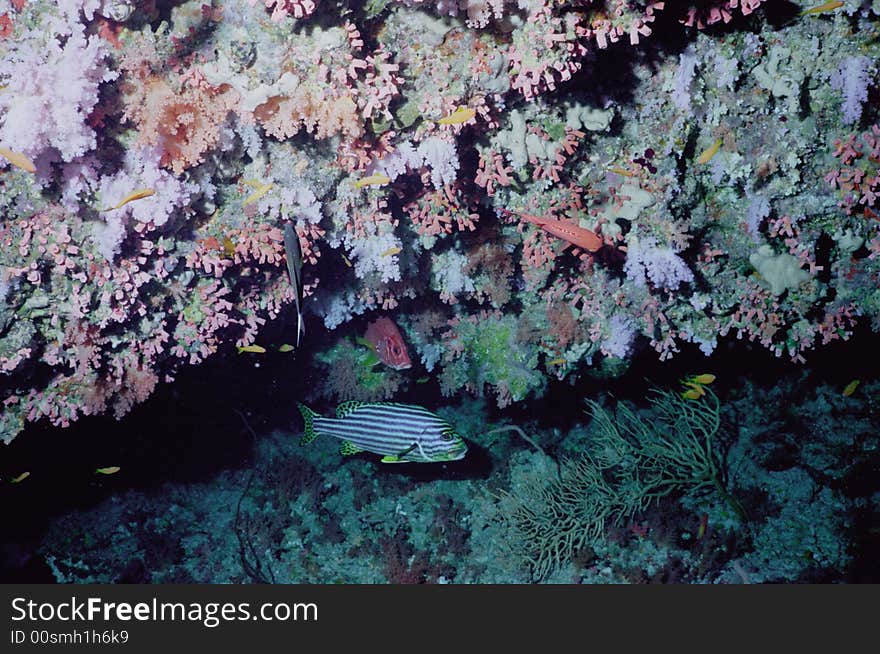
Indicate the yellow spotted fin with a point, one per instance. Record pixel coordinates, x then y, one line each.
348 448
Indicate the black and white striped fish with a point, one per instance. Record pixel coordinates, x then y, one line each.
399 432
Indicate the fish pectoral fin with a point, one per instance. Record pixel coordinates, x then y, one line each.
348 448
407 450
398 458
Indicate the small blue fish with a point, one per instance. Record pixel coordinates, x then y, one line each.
401 433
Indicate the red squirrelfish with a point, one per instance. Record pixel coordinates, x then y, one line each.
574 234
384 336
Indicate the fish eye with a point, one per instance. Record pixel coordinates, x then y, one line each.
447 435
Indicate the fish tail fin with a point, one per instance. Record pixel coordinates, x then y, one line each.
309 433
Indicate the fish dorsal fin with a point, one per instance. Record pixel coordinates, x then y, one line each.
348 448
346 408
399 404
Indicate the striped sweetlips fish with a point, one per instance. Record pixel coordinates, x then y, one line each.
401 433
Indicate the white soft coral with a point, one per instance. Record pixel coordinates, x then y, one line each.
57 83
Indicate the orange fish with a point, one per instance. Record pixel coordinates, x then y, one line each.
574 234
384 336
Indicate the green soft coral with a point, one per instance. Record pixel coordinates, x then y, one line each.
490 351
781 272
354 372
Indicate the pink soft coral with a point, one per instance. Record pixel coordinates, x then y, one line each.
185 123
284 8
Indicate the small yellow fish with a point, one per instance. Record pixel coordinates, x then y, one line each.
851 387
347 262
372 180
695 388
391 251
134 195
228 247
18 160
620 171
252 349
704 523
459 116
286 348
556 362
20 478
261 190
695 384
423 380
111 470
703 380
710 152
831 5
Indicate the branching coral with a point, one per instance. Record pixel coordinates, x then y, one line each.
184 124
631 463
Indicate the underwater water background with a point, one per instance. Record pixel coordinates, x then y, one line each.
695 219
215 458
